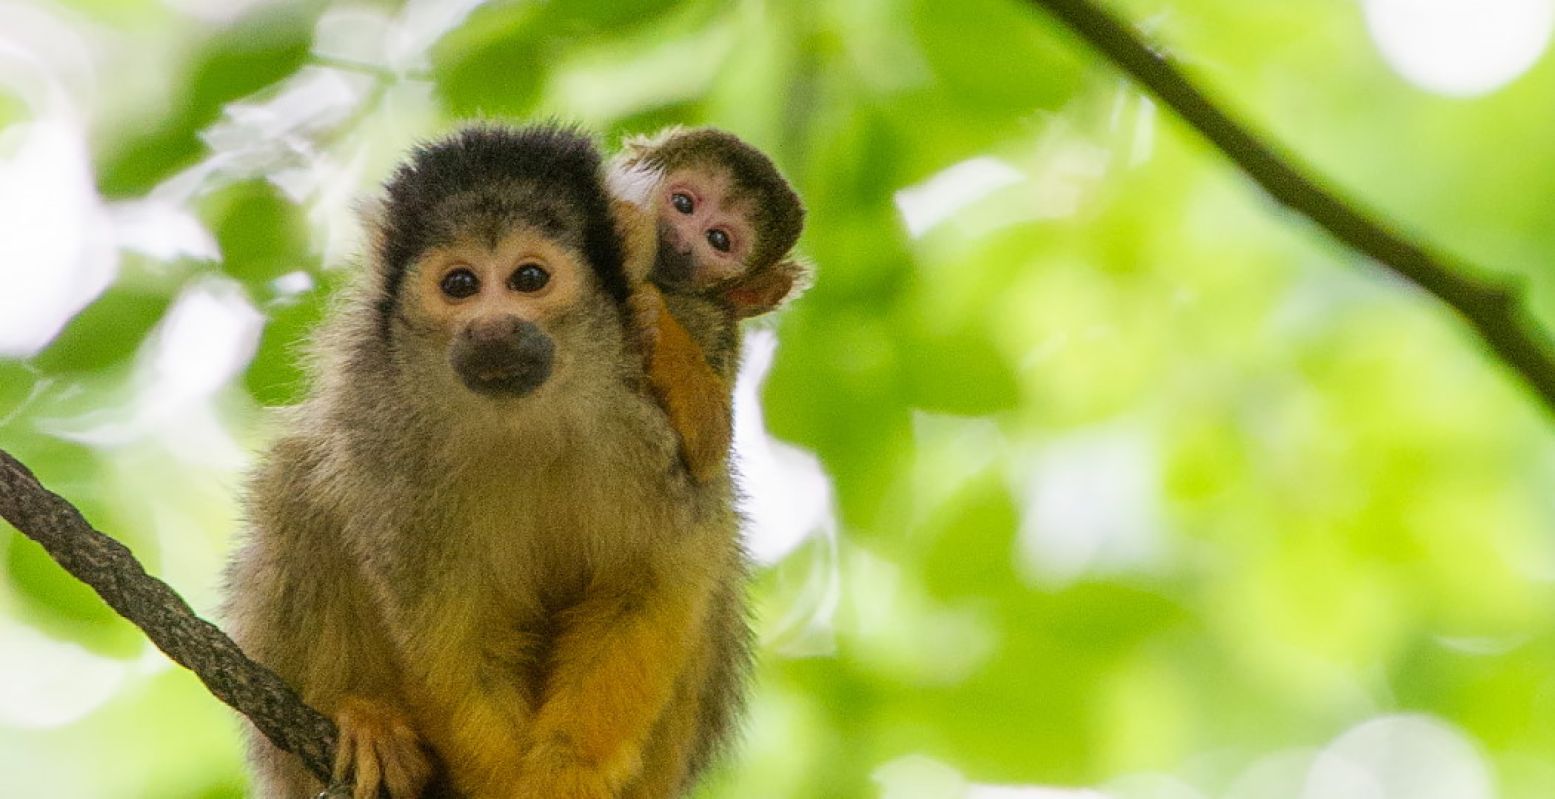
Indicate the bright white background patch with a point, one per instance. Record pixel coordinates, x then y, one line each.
788 500
1091 506
1399 757
788 496
200 347
47 683
57 252
933 201
1460 48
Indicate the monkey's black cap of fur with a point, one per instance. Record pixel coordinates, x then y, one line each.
547 175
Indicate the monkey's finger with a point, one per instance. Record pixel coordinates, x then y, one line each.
645 304
396 779
345 749
368 774
404 770
397 753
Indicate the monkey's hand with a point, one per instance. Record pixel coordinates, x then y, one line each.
378 749
646 307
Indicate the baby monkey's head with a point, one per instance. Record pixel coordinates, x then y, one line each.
500 269
727 217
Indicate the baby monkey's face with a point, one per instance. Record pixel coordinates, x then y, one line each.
497 308
705 233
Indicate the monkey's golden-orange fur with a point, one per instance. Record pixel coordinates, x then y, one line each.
694 395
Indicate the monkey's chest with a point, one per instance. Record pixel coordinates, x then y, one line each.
539 548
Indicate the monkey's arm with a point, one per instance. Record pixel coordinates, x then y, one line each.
298 605
639 238
696 398
615 667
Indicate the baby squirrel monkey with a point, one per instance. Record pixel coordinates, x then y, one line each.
710 222
473 546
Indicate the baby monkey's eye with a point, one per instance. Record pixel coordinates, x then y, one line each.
682 202
719 238
529 277
460 283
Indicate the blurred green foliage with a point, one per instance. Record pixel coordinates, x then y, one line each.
1134 473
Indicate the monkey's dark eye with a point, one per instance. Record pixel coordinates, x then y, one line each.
719 238
682 202
460 283
529 277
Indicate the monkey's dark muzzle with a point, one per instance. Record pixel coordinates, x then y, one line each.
674 264
509 357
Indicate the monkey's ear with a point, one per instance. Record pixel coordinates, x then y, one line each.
635 149
632 181
765 290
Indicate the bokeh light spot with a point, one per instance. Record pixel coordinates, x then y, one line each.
1460 48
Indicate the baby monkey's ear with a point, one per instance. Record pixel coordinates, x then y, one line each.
632 180
764 290
631 186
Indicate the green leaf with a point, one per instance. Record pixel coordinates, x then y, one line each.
494 64
106 333
960 372
276 375
253 53
261 233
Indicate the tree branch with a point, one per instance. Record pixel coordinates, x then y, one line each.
108 567
1493 308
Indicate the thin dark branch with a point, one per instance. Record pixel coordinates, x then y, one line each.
1492 307
108 567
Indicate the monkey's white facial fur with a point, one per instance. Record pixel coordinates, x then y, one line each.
704 221
502 316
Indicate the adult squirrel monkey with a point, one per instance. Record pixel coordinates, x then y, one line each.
711 223
475 546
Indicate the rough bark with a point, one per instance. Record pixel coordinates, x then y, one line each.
113 572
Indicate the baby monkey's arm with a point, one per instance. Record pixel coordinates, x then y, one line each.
695 396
